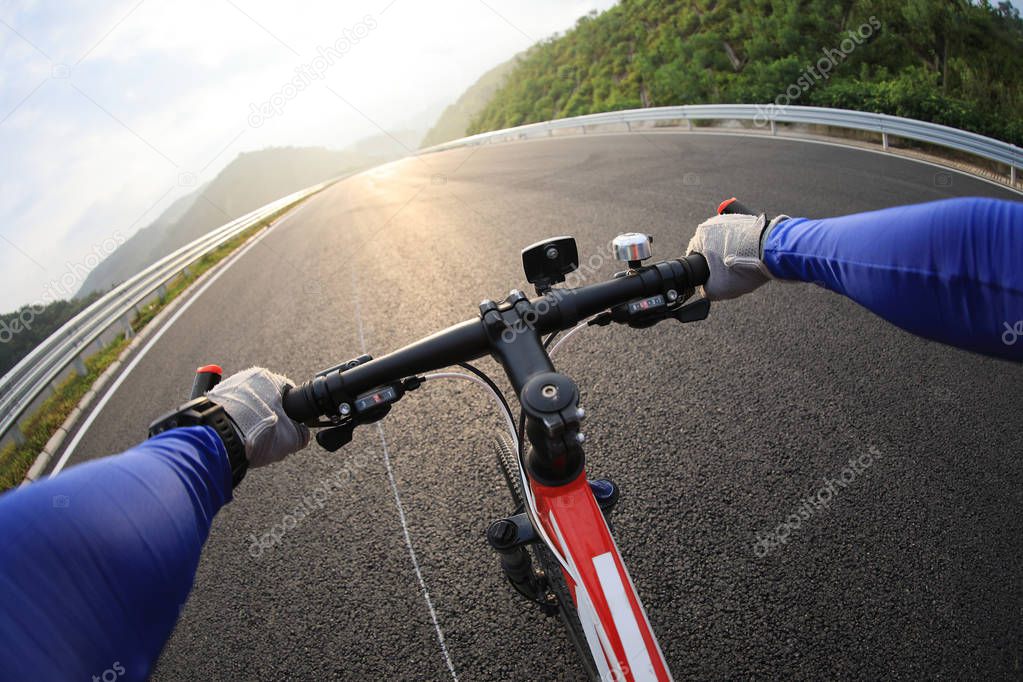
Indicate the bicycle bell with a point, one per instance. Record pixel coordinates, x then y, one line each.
632 248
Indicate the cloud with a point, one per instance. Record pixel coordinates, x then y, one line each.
104 106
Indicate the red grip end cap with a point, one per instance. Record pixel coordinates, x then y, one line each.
210 369
724 204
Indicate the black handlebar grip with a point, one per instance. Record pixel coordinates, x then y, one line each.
206 377
733 207
698 269
299 403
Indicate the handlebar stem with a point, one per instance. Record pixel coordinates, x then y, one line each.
549 400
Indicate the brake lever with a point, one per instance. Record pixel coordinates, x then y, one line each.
692 312
336 437
333 439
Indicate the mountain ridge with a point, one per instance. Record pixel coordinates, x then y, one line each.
455 119
253 179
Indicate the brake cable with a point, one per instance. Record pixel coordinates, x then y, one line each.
569 334
486 383
490 383
479 378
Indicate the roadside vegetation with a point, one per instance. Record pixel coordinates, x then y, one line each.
15 460
954 62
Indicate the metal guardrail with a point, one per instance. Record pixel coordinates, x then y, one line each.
35 373
23 384
885 125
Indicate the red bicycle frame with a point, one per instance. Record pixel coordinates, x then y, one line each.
621 641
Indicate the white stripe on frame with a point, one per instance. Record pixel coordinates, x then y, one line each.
624 617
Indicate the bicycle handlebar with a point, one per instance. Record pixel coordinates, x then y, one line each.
557 310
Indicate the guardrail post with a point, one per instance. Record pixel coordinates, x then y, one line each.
19 437
1012 175
884 140
80 366
128 331
162 291
628 126
773 131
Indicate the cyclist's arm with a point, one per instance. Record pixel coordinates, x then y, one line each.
951 271
95 564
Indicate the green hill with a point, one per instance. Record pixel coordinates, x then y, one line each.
949 61
454 121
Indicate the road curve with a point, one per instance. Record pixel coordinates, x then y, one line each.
715 432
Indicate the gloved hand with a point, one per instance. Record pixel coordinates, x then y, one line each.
731 245
252 398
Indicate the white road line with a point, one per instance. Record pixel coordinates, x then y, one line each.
398 503
70 449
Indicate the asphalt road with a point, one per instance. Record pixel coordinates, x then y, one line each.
714 431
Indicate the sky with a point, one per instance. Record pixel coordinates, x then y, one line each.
110 111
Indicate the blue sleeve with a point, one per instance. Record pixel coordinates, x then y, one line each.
95 563
951 271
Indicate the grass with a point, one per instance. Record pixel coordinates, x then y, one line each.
40 426
15 459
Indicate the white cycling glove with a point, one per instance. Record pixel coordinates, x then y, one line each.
731 245
252 398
